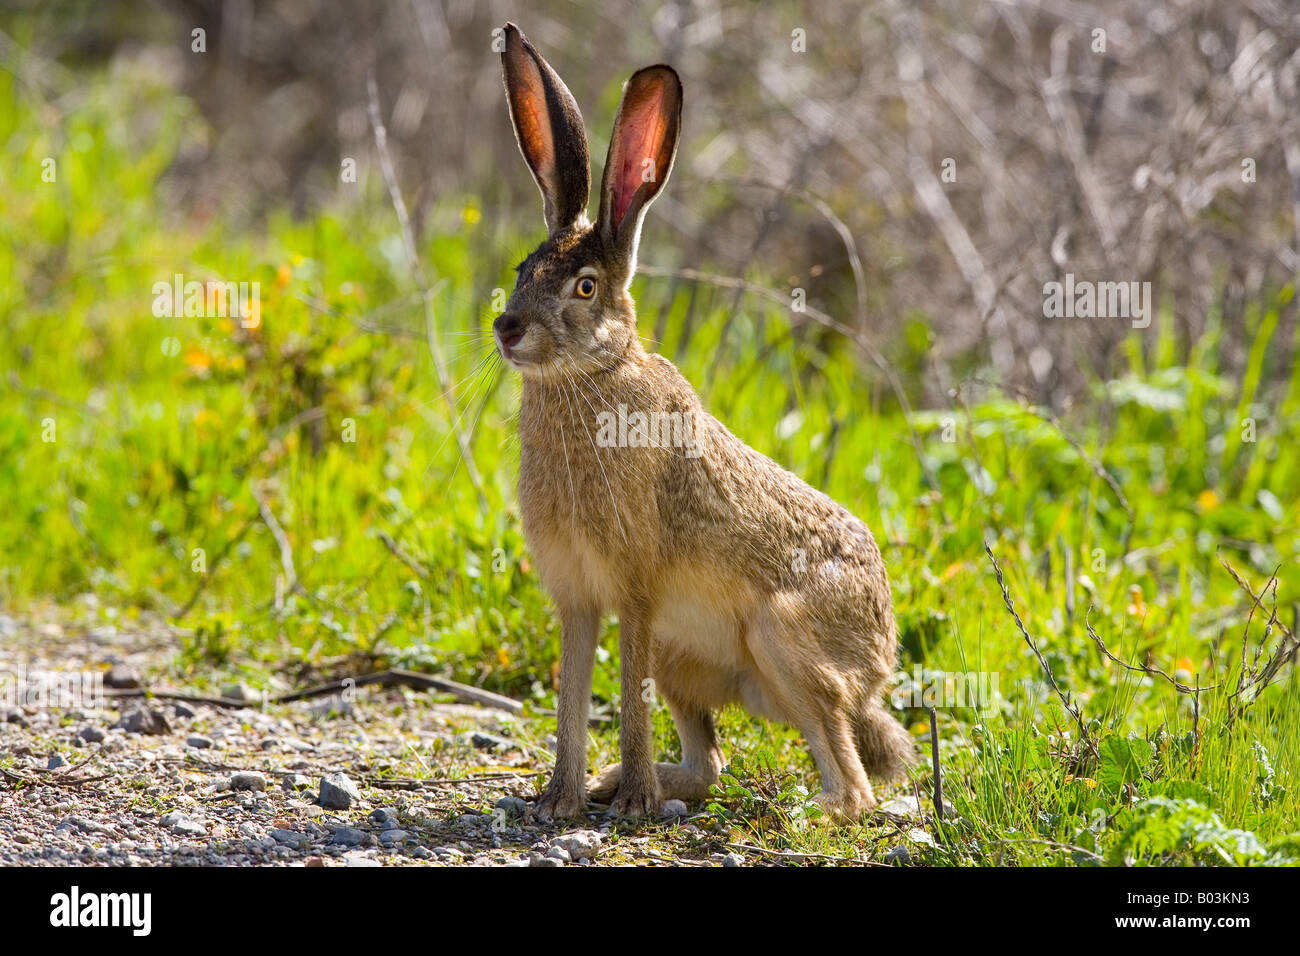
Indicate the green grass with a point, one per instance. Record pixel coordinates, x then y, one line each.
156 449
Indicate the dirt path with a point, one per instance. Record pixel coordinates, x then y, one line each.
86 779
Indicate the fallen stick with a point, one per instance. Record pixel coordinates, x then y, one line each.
393 677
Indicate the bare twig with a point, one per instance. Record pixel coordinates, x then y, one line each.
281 539
1140 668
401 555
393 677
1069 706
938 773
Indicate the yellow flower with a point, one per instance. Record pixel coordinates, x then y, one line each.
283 275
1137 606
1208 499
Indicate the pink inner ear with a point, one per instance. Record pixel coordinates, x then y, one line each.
641 137
533 123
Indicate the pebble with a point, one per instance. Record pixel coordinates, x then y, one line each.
289 837
91 734
389 837
384 815
347 836
238 691
55 762
559 853
733 859
899 855
490 742
536 859
512 805
248 780
579 843
198 741
143 720
337 792
122 677
188 827
296 781
674 808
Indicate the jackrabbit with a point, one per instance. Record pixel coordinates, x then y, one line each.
732 579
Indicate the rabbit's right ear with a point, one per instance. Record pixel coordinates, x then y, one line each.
549 129
641 153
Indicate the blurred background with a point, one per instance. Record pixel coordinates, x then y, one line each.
1104 139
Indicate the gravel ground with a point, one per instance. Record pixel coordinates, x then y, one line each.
390 777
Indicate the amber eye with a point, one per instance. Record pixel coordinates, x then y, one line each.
586 287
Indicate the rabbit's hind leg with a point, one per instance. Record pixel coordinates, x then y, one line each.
701 757
810 693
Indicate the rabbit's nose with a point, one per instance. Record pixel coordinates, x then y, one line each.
509 328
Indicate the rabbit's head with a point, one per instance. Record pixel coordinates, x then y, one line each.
570 310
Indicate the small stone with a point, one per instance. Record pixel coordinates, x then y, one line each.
122 677
347 836
181 709
296 781
899 855
733 859
490 742
579 843
421 853
144 720
55 762
904 806
536 859
91 734
335 706
559 853
449 852
358 858
238 691
384 815
337 792
514 805
674 808
389 837
248 780
199 741
187 827
289 837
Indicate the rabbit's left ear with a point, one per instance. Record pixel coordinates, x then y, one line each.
549 129
641 152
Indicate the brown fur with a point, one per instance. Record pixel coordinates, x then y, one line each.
733 580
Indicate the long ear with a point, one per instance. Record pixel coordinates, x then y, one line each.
549 129
641 152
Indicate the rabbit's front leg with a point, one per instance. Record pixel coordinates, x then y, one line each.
638 789
566 794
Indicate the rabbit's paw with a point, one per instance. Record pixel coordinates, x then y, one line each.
604 785
635 800
841 808
559 803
